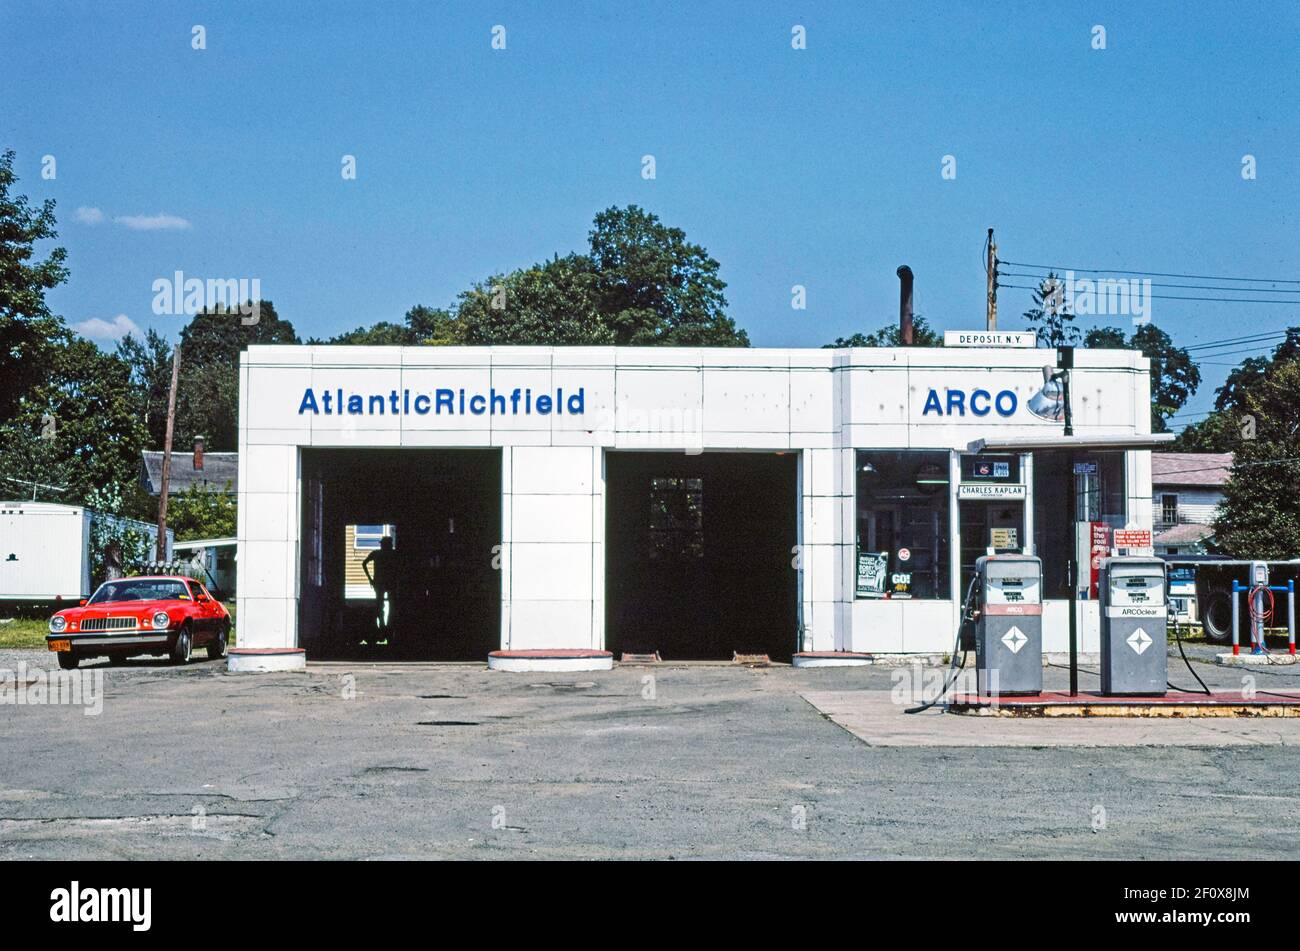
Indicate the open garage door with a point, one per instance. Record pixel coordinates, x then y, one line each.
699 553
398 553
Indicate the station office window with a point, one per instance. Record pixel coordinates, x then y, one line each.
902 524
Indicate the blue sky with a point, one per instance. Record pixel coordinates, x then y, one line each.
818 167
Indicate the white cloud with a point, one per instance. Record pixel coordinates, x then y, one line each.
158 222
96 328
88 215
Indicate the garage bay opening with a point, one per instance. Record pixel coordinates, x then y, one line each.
700 554
399 556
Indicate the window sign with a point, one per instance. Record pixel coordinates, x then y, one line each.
982 468
903 499
872 566
1004 539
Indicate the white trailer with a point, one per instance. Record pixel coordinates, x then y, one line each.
45 551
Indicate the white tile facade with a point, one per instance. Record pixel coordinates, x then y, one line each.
823 404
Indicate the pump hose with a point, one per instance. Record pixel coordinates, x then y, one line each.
1170 684
958 655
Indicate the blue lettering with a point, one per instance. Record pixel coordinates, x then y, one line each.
355 405
308 402
444 400
957 399
932 404
1010 399
974 405
422 398
477 404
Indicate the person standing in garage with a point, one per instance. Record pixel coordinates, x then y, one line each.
380 567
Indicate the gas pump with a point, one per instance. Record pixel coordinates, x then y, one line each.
1261 605
1134 618
1009 629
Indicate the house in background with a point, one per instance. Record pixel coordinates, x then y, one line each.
1186 490
218 471
212 561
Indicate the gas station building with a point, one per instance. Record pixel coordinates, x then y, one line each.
694 502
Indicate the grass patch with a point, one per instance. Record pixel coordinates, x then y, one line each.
23 633
29 633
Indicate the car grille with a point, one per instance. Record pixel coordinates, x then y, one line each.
108 624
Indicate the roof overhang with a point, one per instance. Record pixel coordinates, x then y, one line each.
1048 443
204 543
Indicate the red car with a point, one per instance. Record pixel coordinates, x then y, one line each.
157 614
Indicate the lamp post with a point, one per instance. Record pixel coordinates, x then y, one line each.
1064 364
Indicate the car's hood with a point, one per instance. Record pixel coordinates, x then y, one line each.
122 608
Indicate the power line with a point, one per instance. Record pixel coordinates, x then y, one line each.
1194 287
1231 353
1175 296
1228 341
1195 277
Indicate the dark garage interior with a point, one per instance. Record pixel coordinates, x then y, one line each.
700 552
431 519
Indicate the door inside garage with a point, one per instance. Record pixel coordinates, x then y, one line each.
398 555
699 554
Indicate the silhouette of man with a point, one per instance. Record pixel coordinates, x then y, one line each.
383 578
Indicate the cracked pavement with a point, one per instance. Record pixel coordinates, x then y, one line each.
454 761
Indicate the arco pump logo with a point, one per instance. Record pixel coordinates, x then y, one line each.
1048 403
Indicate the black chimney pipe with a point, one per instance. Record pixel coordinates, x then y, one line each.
904 304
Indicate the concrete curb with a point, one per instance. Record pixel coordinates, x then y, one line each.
265 660
556 661
1254 660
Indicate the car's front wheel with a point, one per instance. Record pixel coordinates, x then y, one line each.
217 646
182 647
68 660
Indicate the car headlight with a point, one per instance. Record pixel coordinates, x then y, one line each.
58 624
161 620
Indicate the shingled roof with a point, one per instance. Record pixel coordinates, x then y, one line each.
1210 469
219 468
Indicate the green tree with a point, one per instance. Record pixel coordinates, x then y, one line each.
30 335
1175 377
553 303
422 326
891 335
113 540
207 395
1260 514
150 361
1105 338
1224 429
201 512
641 283
1051 318
653 287
81 427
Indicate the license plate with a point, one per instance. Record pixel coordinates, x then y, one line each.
61 646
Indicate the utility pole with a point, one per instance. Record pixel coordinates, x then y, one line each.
991 270
160 550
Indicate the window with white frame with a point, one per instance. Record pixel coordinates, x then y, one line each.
1169 509
368 537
